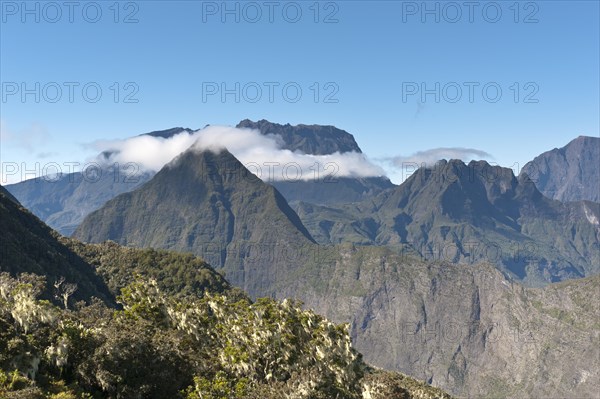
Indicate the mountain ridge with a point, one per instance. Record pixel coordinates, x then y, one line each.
310 139
208 204
568 173
446 209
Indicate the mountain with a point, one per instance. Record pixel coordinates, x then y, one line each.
309 139
209 204
182 330
465 328
570 173
8 195
337 190
467 214
99 270
63 201
168 133
320 140
29 246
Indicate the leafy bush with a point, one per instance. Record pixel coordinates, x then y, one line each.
165 346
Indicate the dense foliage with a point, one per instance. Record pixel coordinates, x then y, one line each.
162 347
177 274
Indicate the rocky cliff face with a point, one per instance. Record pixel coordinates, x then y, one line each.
570 173
310 139
466 329
320 140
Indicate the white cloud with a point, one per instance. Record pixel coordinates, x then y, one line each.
428 158
150 153
247 145
402 166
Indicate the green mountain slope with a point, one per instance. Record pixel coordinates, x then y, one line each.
99 270
29 246
211 205
8 195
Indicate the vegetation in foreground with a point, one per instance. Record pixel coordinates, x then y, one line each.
159 346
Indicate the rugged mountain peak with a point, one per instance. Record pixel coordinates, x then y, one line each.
196 174
468 178
208 203
310 139
569 173
215 163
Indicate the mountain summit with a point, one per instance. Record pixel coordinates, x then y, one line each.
207 203
310 139
471 213
570 173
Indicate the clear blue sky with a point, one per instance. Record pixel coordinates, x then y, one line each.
368 58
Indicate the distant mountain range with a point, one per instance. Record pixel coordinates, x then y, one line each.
480 212
468 214
570 173
448 324
64 201
428 274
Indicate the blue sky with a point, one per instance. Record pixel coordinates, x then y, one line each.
366 59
